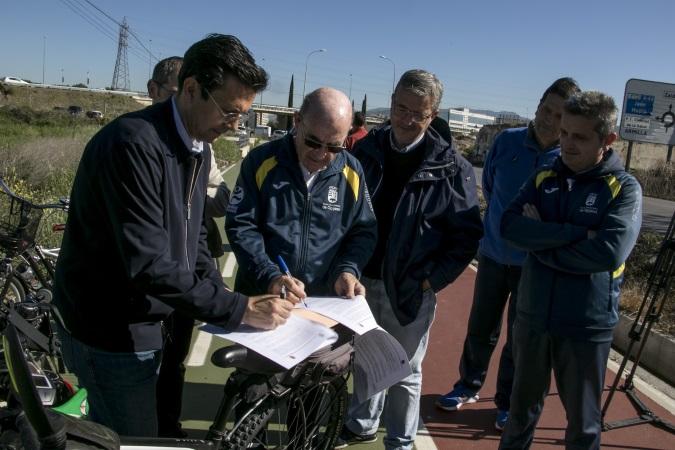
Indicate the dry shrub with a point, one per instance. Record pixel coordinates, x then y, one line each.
639 266
657 181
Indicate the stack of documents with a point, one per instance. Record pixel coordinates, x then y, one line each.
299 337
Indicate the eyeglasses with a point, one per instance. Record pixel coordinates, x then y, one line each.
315 145
415 116
228 116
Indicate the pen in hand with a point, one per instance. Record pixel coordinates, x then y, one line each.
284 268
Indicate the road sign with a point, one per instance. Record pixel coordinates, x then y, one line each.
648 114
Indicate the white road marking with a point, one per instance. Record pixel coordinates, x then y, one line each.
200 350
228 268
423 440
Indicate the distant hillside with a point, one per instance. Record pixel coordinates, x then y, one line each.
47 99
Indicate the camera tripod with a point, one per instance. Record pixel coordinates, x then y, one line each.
657 294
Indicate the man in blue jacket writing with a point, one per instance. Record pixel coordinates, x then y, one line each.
578 220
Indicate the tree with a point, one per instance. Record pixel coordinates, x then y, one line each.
363 105
288 123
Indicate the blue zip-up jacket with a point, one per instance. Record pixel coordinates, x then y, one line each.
436 226
570 282
320 233
515 155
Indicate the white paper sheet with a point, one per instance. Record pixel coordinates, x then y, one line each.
286 345
352 313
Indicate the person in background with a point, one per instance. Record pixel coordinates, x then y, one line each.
358 130
515 154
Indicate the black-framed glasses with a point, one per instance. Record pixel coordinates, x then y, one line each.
315 145
227 116
402 111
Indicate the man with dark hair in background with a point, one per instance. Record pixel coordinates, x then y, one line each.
515 154
178 327
578 221
358 130
134 248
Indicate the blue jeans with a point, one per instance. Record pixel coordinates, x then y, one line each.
120 386
400 404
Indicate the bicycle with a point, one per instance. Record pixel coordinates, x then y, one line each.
27 268
262 407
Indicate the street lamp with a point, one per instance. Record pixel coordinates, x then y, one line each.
304 83
44 57
393 81
350 86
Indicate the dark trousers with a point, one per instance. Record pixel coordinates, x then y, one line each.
494 284
579 370
172 374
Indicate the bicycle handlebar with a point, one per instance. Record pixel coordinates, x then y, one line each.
63 204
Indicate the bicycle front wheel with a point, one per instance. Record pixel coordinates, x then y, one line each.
307 419
13 291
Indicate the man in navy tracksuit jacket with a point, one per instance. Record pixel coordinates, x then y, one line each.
578 220
305 199
513 158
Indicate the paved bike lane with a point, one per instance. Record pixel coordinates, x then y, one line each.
470 428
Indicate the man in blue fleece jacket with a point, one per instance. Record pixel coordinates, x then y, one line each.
515 155
578 220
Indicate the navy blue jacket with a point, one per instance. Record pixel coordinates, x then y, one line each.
436 226
320 233
515 155
570 283
134 247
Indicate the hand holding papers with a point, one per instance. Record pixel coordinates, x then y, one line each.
286 345
353 313
292 342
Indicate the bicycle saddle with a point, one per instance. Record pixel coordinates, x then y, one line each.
239 357
231 356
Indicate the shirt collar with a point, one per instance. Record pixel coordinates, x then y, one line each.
406 148
194 145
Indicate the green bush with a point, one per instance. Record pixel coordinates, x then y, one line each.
226 152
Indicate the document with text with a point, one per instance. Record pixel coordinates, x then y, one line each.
354 313
286 345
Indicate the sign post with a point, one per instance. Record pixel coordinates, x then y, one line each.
648 114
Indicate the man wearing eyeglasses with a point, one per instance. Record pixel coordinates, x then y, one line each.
303 197
134 248
429 225
178 327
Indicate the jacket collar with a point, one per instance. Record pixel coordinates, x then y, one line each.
439 157
610 163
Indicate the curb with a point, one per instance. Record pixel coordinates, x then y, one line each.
658 355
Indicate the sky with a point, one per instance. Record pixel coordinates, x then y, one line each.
497 55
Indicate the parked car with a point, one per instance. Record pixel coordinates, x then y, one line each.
279 134
14 80
75 110
94 114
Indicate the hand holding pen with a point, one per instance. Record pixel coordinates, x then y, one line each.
293 288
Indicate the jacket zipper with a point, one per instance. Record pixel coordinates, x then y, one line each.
196 168
304 238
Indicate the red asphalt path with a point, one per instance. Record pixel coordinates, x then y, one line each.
473 426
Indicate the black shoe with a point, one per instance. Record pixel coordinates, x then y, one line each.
348 437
